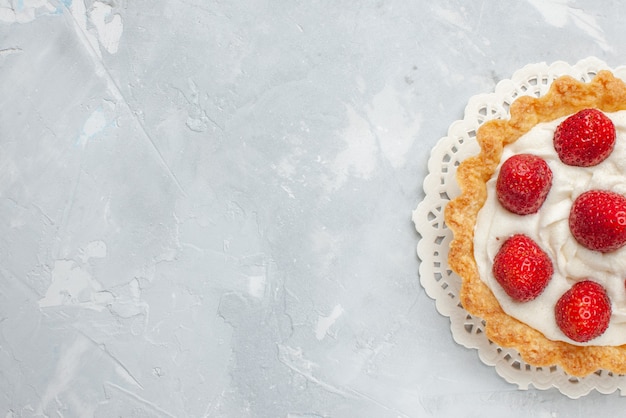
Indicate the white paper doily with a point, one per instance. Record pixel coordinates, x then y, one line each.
440 186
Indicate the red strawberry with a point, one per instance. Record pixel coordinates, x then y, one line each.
597 220
522 268
584 311
523 183
585 139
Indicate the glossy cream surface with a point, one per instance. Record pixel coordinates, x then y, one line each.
549 228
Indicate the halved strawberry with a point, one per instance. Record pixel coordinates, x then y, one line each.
523 183
522 268
585 139
584 311
597 220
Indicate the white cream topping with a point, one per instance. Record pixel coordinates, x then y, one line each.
550 229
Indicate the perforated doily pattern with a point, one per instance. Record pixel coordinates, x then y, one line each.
440 186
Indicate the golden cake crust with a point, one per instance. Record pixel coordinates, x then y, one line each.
566 96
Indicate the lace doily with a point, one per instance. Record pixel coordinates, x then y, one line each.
440 186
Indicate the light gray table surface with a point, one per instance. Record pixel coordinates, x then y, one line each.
205 206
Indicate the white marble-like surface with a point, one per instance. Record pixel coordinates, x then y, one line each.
205 205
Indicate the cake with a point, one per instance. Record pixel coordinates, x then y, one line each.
571 312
